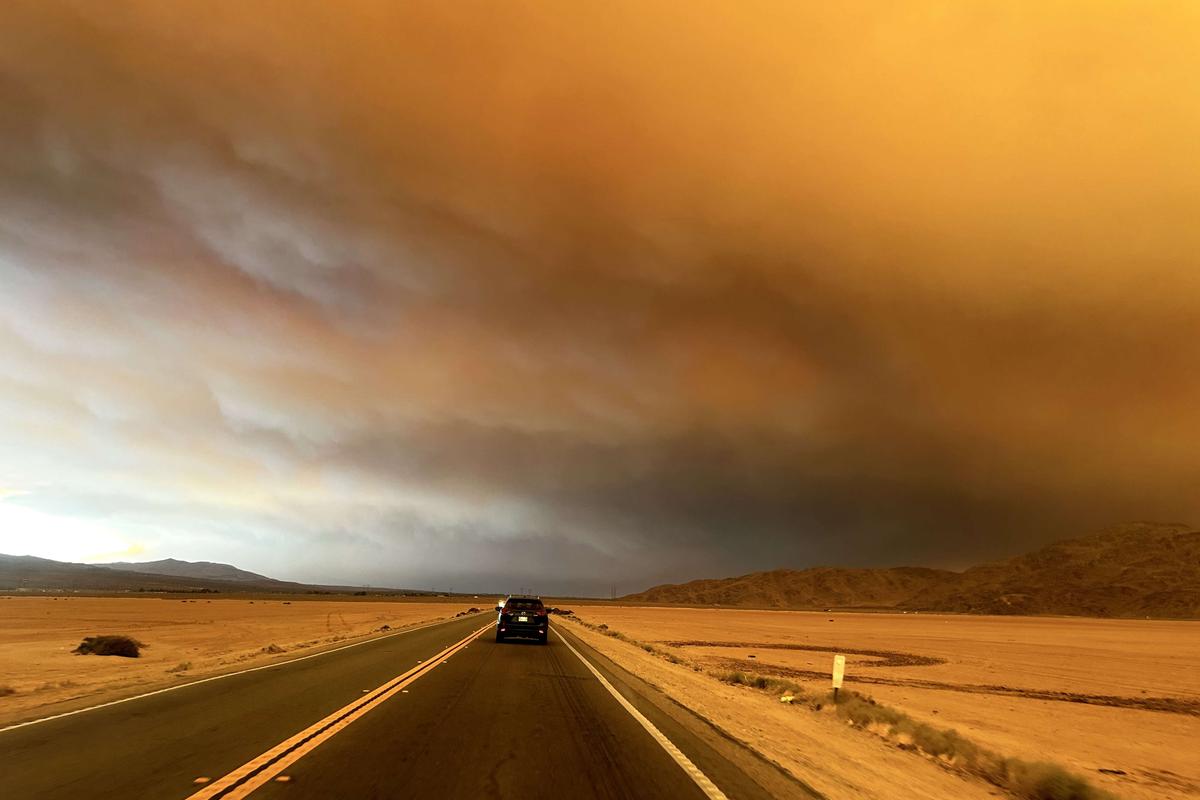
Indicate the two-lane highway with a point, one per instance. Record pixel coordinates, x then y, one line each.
517 720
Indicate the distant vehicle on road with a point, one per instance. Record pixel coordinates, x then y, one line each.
522 615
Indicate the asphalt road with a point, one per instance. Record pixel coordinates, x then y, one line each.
511 720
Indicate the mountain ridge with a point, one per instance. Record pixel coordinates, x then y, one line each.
31 573
1131 570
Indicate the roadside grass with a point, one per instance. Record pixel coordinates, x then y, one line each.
1028 780
112 645
781 686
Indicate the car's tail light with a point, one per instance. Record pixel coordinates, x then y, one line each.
541 613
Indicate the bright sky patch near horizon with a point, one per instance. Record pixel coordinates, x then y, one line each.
487 295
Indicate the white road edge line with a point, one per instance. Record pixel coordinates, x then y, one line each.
706 785
219 677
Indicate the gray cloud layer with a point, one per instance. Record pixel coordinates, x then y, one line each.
476 295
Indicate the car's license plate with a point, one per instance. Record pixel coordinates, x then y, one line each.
522 619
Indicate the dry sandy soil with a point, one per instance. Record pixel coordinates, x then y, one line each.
186 639
1088 694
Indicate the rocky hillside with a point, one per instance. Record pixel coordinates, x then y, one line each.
810 588
1133 570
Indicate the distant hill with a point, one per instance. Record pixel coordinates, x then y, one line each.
42 574
189 569
29 572
1132 570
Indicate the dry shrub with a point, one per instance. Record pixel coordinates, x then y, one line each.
782 686
123 646
736 678
864 711
6 690
1042 781
942 742
765 682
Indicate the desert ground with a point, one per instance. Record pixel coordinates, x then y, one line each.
1115 701
1121 696
185 638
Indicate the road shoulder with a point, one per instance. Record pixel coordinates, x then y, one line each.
819 753
738 770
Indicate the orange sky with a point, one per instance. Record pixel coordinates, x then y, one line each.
650 290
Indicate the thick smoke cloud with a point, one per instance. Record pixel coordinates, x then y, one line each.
477 295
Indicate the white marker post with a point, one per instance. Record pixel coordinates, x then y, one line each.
839 672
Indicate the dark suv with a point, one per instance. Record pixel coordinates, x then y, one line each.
522 615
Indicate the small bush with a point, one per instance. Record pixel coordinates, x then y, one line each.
765 682
6 690
1042 781
784 686
182 666
864 711
123 646
944 743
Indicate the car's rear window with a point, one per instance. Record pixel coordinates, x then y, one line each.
524 605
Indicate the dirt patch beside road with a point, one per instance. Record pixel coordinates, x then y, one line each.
185 638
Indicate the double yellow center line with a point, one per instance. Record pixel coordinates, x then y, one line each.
253 774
